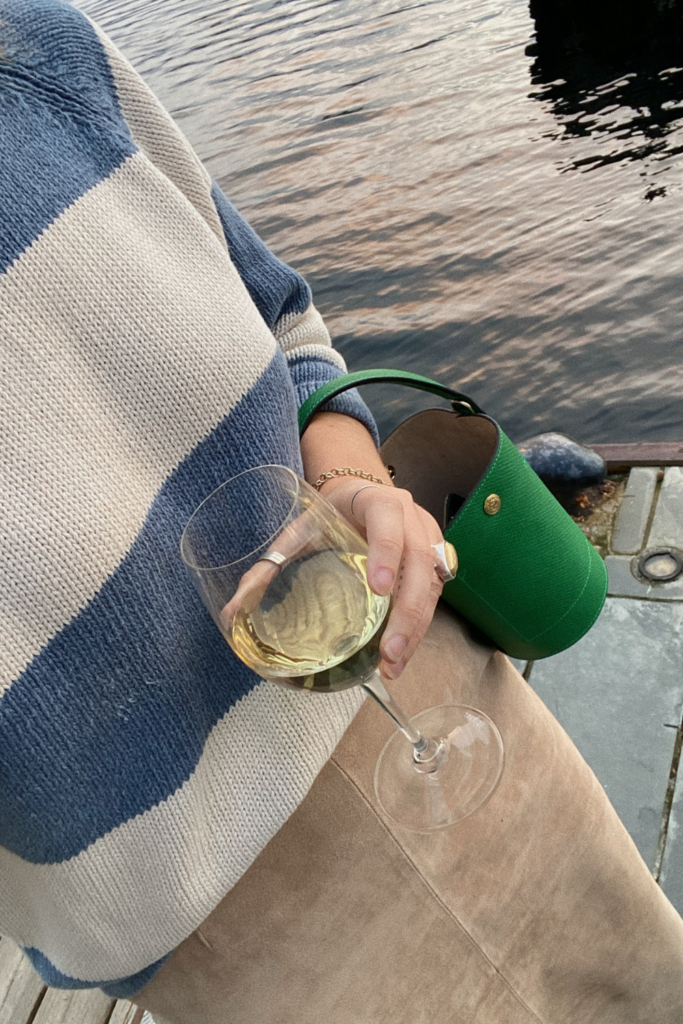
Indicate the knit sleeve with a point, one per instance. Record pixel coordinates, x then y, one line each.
280 294
283 298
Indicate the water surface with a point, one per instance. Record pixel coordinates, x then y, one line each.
468 200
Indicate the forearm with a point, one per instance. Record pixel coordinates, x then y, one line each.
333 439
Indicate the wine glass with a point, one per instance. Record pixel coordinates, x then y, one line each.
284 577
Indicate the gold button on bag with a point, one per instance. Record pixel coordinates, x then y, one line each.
492 504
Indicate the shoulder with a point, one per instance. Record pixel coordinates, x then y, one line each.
52 45
61 129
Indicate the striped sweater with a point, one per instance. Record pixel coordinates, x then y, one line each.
151 348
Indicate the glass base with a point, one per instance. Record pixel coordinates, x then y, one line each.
470 764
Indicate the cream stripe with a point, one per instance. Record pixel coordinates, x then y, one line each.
159 138
139 891
328 355
125 306
308 328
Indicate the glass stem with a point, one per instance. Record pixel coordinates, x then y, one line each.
428 754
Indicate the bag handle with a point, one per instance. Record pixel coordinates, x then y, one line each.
461 403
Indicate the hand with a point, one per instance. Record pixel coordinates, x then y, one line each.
400 560
292 543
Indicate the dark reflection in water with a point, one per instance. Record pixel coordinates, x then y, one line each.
408 156
610 70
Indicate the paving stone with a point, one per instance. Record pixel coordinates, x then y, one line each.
617 692
671 877
634 512
622 583
667 525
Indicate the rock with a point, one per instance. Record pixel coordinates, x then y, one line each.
571 471
556 458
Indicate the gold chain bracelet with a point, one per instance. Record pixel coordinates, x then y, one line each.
347 471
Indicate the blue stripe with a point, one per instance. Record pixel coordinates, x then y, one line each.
112 716
122 988
311 372
61 130
274 287
277 290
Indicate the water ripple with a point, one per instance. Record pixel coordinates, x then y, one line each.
475 194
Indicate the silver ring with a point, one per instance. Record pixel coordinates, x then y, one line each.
275 557
356 493
446 561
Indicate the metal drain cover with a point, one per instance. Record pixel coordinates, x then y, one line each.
660 564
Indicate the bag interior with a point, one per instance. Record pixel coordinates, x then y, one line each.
440 457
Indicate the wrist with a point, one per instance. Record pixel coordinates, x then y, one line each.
332 439
353 473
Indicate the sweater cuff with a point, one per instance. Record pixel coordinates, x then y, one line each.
310 372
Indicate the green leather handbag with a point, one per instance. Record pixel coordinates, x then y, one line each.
527 577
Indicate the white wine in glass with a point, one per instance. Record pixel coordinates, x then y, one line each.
285 578
317 627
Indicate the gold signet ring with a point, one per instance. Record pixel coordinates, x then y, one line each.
445 561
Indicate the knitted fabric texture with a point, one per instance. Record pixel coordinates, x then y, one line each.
152 347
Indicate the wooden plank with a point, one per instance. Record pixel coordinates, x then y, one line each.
84 1006
641 453
20 987
126 1013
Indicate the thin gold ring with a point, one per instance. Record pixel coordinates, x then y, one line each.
356 493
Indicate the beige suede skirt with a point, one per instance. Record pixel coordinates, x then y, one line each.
538 908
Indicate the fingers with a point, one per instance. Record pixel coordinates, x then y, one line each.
378 512
384 520
400 535
292 542
415 596
393 669
247 597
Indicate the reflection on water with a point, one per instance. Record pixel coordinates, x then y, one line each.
610 71
409 157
